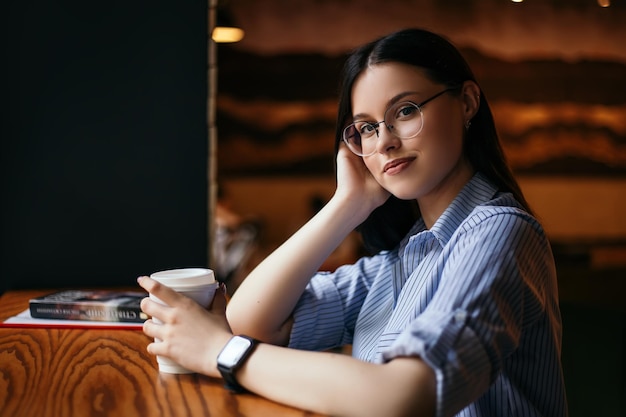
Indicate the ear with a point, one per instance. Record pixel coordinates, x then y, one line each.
470 94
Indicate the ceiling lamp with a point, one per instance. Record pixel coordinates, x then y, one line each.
225 30
604 3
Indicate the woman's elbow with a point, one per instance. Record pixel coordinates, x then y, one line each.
243 321
236 318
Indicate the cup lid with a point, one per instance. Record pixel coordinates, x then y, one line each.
184 277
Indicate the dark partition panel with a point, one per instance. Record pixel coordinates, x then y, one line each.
104 141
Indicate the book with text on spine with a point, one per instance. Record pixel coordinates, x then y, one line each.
90 305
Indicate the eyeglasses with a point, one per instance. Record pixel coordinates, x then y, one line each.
404 120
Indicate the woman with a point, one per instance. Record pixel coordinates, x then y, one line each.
457 311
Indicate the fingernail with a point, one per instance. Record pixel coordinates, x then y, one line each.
139 279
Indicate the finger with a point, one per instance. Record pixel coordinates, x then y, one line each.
156 348
150 328
160 291
153 308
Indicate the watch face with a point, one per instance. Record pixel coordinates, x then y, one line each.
233 351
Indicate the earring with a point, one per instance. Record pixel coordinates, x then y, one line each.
468 124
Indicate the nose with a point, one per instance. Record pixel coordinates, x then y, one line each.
386 139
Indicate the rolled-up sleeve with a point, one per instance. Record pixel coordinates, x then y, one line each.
327 311
318 317
453 350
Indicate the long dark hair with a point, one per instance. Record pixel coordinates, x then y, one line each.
443 64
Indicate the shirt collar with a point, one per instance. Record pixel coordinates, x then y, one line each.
477 191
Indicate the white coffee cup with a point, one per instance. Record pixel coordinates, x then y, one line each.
198 284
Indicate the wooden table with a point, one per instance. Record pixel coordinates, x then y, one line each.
97 372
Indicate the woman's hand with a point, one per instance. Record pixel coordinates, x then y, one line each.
356 182
190 335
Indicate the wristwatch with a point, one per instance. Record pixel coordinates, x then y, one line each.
232 357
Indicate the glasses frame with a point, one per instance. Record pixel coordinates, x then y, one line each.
376 125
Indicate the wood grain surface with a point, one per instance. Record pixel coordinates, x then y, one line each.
75 372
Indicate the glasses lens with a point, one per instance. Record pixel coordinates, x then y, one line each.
352 139
404 120
361 137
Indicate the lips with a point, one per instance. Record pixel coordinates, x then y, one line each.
396 165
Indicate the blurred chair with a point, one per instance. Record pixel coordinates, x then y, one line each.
233 248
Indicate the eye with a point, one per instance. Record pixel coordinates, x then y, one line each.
365 129
405 111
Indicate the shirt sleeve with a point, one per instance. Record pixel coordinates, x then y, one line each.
326 313
495 271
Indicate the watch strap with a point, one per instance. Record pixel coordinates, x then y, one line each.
230 382
228 373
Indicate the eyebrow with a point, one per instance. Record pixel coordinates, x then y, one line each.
391 101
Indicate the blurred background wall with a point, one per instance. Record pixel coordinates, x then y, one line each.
554 72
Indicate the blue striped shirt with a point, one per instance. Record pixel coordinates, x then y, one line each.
475 297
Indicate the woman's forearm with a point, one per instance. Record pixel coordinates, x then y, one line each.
266 298
340 385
